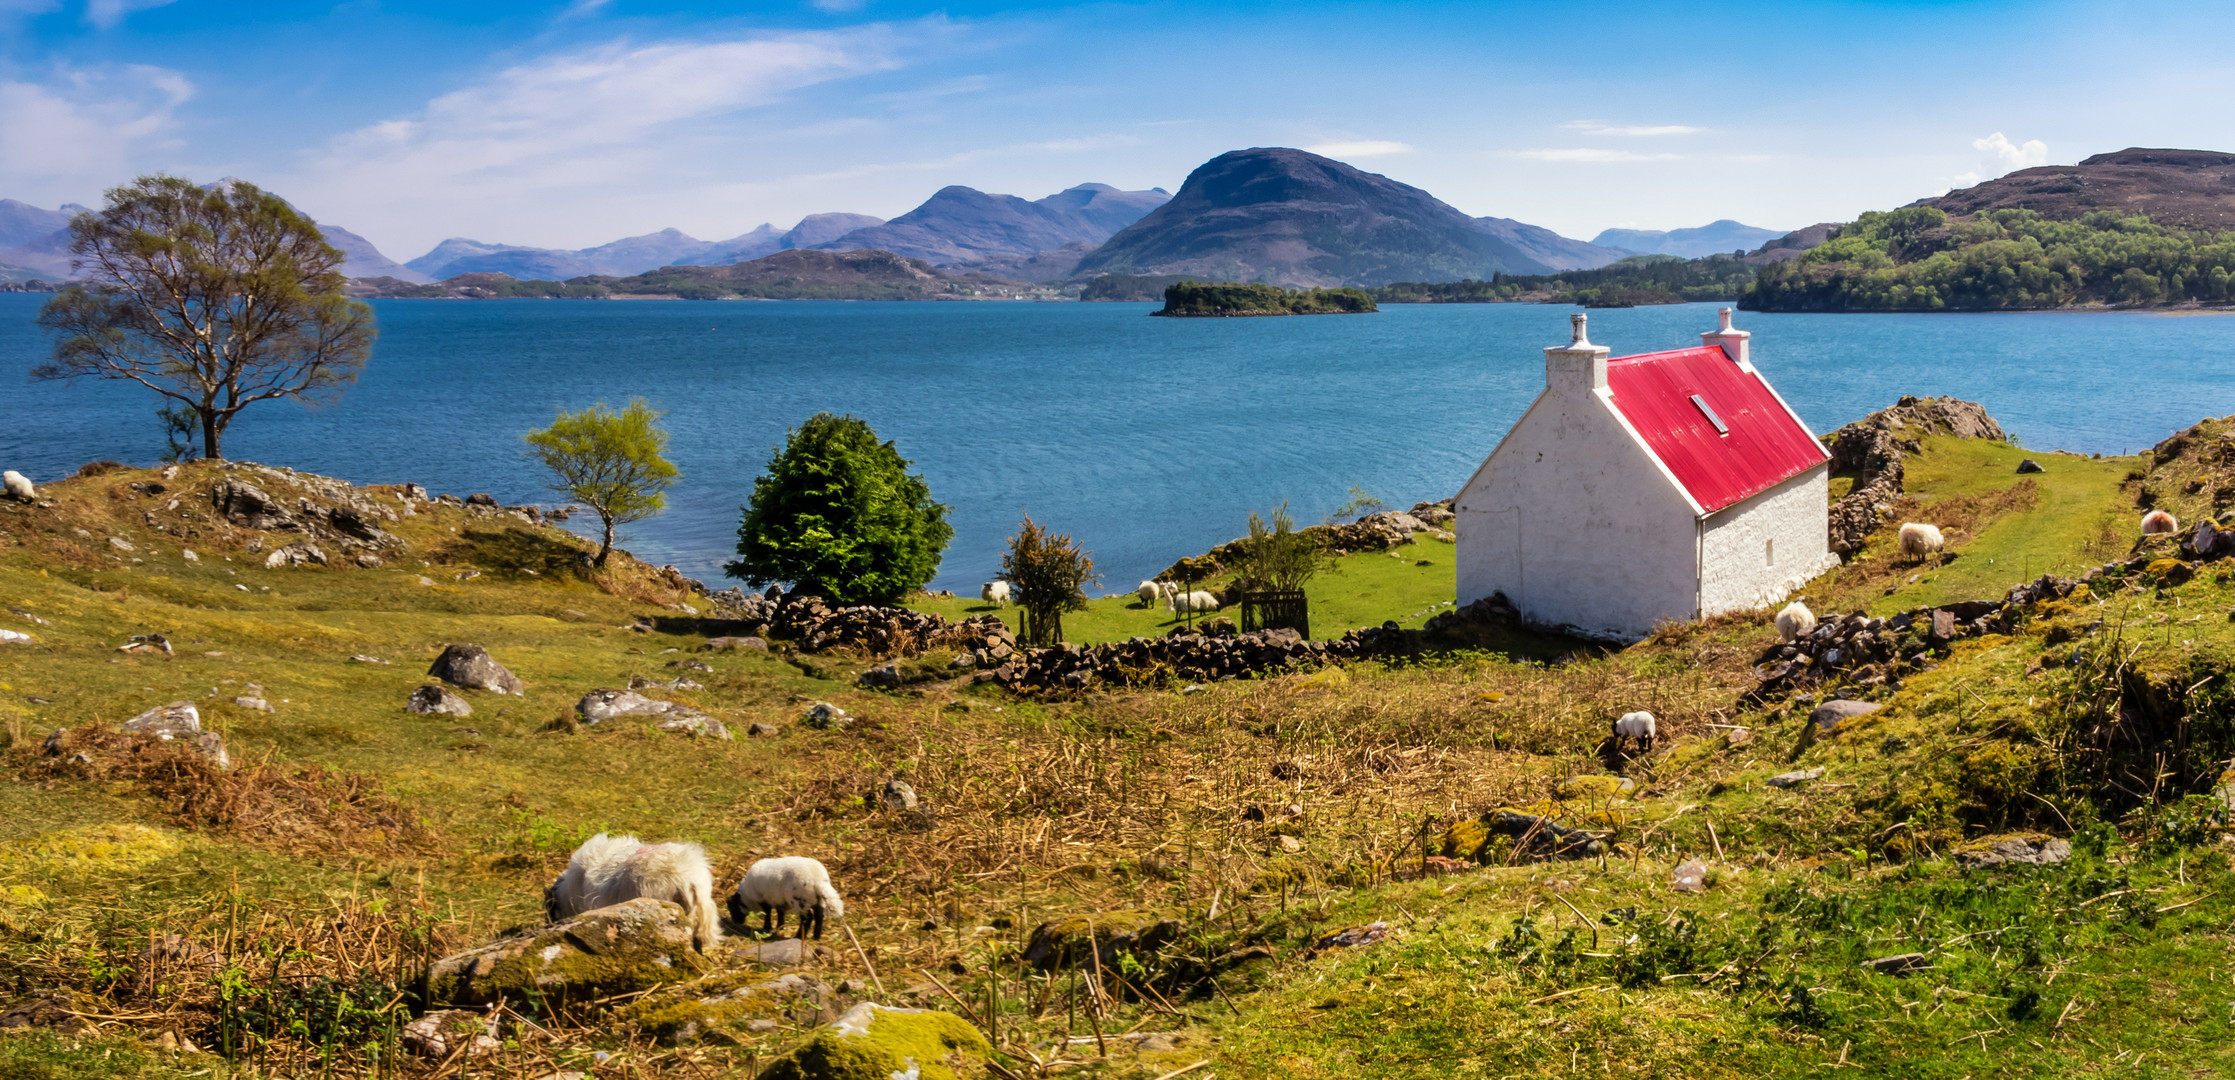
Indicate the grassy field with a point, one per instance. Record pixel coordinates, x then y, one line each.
353 839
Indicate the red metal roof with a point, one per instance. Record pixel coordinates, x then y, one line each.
1764 445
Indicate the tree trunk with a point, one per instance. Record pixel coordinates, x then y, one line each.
607 549
210 430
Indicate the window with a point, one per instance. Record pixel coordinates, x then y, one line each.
1720 427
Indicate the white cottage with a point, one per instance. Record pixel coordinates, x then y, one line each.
1669 485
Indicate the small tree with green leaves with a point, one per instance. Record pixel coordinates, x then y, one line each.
838 515
1048 573
1277 556
610 461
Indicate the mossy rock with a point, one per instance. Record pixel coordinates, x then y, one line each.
104 849
724 1007
878 1042
1063 942
2169 571
622 949
1465 840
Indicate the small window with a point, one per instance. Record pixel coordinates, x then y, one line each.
1769 552
1720 427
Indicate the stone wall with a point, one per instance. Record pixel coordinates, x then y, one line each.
1871 450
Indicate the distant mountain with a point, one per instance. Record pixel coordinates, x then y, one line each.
1715 238
960 225
362 259
815 230
808 275
22 223
1288 217
2192 189
1790 244
767 240
1551 248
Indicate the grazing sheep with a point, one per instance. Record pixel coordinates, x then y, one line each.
18 485
995 593
608 870
2158 521
1795 622
1151 592
1197 601
1638 727
1919 540
795 883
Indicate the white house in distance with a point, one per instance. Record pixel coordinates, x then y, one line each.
1668 485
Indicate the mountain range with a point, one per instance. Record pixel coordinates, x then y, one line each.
2192 189
1715 238
1269 214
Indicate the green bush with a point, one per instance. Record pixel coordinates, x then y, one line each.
838 515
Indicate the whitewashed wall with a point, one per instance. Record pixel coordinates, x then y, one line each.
1757 551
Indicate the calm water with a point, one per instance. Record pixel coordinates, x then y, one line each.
1146 438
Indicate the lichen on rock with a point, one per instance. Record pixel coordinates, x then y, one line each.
1063 942
878 1042
729 1007
638 945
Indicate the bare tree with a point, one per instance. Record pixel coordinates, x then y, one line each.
216 298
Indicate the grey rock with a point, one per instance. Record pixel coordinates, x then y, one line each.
726 644
598 706
246 504
1798 776
824 716
481 498
443 1032
882 677
762 731
433 699
295 554
1831 714
1943 624
2029 466
2016 850
898 795
167 721
692 665
364 659
691 722
611 951
1691 876
256 703
121 544
471 666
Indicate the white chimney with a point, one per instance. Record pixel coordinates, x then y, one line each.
1578 367
1732 341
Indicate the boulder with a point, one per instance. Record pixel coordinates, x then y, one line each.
1691 876
728 644
2014 851
443 1032
1797 776
1828 716
598 706
470 666
692 722
2028 466
167 722
12 637
481 498
898 795
623 949
730 1007
880 1042
245 504
761 731
824 716
434 699
1061 943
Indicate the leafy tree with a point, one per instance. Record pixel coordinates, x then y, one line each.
216 298
837 514
1360 504
1049 574
1277 556
612 462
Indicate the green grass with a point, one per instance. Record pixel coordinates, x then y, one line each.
1406 584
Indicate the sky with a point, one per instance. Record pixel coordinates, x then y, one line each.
570 124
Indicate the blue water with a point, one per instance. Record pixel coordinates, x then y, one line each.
1145 438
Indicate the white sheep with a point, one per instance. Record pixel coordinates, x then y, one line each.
1795 622
791 884
1197 601
18 485
1919 540
1637 727
2158 521
995 593
1152 592
608 870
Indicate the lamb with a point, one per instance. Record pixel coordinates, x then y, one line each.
1638 727
1197 601
795 883
18 485
1919 540
995 593
2158 521
1795 622
608 870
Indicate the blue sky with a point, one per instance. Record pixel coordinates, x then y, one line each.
571 124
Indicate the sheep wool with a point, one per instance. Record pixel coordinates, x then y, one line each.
2158 521
18 485
995 592
1638 727
1919 540
1795 622
608 870
794 883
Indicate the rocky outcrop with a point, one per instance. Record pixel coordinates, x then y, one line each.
471 666
1082 941
180 721
433 700
1871 450
879 1042
731 1007
623 949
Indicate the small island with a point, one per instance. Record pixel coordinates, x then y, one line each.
1195 299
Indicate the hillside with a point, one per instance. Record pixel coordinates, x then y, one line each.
806 275
1420 862
2190 189
960 225
1550 248
1288 217
1715 238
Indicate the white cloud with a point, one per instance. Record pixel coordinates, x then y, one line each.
107 13
84 128
620 117
1998 155
1601 127
1361 148
1590 154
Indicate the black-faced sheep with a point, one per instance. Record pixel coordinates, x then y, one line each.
608 870
790 884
